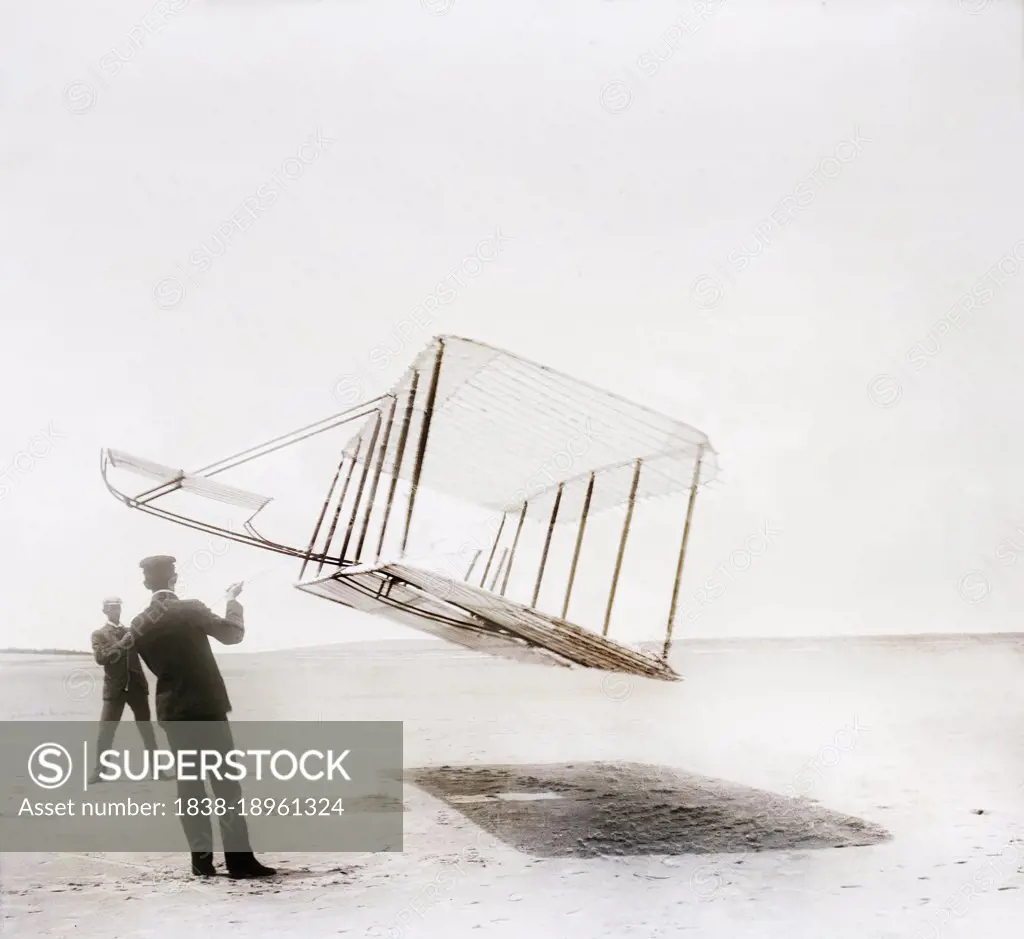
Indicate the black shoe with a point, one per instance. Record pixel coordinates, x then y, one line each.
94 777
202 864
245 866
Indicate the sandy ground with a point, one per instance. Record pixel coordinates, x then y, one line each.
668 807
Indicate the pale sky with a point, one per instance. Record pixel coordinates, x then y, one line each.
619 190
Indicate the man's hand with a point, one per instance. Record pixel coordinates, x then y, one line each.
235 589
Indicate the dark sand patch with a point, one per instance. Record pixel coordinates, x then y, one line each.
632 809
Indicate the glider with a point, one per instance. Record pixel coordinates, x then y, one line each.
517 442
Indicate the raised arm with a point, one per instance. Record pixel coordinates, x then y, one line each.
229 628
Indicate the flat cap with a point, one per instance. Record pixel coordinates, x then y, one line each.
157 561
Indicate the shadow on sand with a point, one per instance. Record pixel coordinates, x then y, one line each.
632 809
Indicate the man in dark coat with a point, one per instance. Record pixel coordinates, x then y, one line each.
124 682
173 638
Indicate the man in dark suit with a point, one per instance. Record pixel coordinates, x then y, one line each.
173 638
124 682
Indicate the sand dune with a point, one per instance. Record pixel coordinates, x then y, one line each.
910 749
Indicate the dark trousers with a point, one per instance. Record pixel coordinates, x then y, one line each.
110 717
208 734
